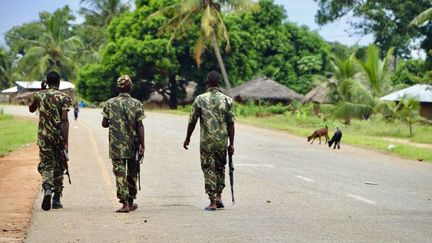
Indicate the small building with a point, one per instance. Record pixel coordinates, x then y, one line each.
23 91
264 89
7 95
319 95
421 92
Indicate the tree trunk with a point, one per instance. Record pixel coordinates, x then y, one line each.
410 126
173 92
221 64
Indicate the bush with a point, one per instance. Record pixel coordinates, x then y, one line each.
259 110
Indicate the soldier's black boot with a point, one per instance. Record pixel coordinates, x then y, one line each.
46 202
56 201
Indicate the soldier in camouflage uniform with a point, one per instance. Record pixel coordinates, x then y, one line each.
53 130
215 111
123 115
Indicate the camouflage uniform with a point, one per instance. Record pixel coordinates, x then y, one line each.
123 112
51 103
215 111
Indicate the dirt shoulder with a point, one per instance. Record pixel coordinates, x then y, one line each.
19 184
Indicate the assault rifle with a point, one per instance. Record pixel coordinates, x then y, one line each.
231 175
64 158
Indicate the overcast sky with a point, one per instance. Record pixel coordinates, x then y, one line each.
17 12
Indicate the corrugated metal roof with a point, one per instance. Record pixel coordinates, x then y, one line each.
422 92
10 90
37 85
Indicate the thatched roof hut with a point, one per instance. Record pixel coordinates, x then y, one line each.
319 94
264 89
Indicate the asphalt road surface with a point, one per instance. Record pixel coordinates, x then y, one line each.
286 191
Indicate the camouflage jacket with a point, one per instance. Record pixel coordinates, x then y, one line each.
215 111
50 103
123 112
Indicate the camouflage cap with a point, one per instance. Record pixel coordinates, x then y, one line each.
124 81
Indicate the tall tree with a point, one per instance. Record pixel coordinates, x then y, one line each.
7 69
212 26
387 20
102 12
352 98
98 15
135 48
55 49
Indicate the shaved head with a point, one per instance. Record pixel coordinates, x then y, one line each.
213 78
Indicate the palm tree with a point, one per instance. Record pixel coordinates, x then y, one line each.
422 17
212 27
343 82
7 69
93 31
408 111
376 70
353 100
54 50
103 11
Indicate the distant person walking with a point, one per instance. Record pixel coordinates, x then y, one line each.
123 116
215 111
53 131
76 110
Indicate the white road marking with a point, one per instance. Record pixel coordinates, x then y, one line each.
305 178
254 165
361 199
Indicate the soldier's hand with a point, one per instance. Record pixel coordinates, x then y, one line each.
231 149
141 151
186 143
66 146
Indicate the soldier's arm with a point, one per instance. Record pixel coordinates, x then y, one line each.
65 128
193 118
105 115
230 127
141 134
231 132
105 122
190 129
33 105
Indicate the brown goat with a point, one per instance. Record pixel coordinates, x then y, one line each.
318 134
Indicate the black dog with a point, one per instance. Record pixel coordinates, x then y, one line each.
337 136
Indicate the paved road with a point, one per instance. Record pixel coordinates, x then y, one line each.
286 190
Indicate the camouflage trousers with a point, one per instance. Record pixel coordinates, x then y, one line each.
51 169
126 172
213 167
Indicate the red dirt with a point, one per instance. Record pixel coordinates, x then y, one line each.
19 185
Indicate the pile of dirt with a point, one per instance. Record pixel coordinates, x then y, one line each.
19 185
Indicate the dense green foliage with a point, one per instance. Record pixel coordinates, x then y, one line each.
387 20
56 48
261 44
161 48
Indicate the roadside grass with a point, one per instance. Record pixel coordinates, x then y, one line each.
370 133
15 133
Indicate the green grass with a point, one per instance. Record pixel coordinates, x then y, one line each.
14 133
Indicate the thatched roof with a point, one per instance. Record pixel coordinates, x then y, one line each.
264 89
319 94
